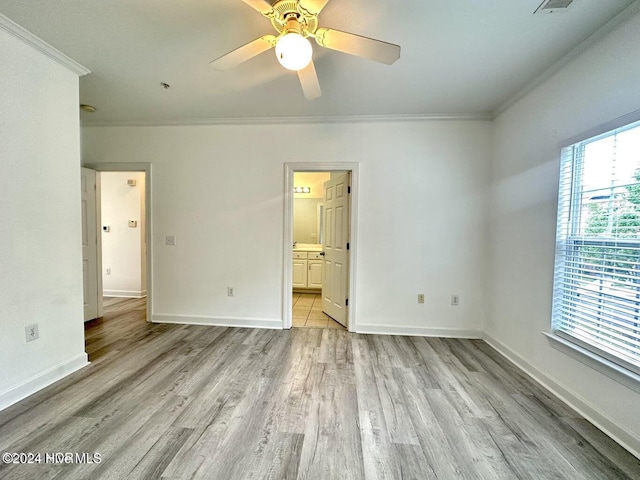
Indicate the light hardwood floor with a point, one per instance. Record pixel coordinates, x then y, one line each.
177 401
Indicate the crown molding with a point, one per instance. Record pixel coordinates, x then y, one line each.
620 19
30 39
291 120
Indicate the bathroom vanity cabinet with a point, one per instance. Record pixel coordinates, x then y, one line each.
307 269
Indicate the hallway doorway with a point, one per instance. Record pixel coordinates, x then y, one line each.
140 225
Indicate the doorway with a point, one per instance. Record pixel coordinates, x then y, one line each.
320 245
127 222
122 217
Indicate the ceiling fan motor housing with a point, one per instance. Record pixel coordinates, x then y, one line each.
285 10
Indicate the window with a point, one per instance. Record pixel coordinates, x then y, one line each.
596 301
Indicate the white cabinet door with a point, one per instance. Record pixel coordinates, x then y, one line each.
299 273
314 279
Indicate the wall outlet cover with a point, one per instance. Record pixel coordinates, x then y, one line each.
31 332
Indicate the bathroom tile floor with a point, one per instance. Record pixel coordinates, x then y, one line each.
307 312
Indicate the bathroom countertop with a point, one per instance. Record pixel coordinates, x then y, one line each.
308 247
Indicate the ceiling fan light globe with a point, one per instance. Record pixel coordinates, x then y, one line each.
293 51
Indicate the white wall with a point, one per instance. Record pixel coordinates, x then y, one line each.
122 246
41 256
598 86
422 219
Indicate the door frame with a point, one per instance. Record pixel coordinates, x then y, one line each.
97 233
289 169
130 167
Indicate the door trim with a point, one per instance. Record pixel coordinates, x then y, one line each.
289 169
97 233
134 167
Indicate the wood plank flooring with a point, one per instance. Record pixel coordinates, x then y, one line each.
178 402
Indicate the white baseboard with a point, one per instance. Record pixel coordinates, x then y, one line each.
42 380
617 432
124 293
218 321
417 331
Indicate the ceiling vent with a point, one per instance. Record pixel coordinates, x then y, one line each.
550 6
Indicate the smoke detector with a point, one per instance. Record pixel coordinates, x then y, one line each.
550 6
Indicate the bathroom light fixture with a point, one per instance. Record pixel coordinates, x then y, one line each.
302 189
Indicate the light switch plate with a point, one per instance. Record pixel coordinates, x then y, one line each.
170 240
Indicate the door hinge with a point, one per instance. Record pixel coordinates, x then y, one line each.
346 302
347 245
349 189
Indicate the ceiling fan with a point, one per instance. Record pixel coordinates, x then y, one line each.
295 21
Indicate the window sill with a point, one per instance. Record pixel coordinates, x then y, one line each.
613 371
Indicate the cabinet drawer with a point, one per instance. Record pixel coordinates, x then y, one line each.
300 255
315 256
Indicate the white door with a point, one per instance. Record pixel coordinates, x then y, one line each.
89 244
335 284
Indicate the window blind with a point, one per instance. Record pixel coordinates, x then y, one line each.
596 296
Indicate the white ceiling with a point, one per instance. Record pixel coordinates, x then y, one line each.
459 57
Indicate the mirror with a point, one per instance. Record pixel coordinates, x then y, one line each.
308 200
307 220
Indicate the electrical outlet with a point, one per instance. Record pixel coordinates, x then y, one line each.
170 240
421 298
455 300
231 292
108 271
31 332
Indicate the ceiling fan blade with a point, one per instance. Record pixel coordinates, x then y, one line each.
244 53
375 50
309 81
314 7
262 6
